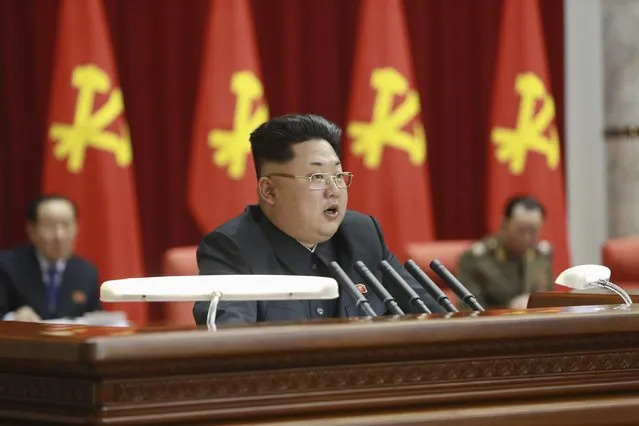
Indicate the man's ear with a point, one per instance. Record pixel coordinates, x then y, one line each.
31 231
266 190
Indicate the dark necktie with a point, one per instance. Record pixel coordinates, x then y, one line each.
52 289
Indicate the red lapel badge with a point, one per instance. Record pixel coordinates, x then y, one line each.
362 288
79 297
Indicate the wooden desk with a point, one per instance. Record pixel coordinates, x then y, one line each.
569 366
592 297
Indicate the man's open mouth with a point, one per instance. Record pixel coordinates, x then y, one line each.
332 211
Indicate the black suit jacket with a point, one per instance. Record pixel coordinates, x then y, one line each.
251 244
21 284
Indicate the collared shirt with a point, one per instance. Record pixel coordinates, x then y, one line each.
45 266
311 249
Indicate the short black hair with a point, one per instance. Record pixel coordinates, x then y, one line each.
527 201
34 205
274 139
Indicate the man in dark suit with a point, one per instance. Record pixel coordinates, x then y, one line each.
44 279
300 225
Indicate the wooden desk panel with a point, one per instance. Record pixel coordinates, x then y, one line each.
550 299
554 363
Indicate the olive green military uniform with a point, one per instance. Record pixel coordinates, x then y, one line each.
496 277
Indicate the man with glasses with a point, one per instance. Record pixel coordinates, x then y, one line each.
44 279
300 225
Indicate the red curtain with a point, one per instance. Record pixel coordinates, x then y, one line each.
382 64
307 50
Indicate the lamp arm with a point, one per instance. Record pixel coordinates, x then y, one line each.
210 317
616 289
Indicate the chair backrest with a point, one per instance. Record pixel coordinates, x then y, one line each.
621 255
179 261
447 252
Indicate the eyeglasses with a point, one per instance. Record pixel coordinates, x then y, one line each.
320 180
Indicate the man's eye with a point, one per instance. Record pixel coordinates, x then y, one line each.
318 178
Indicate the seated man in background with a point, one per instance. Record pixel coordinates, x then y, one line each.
44 279
503 269
300 225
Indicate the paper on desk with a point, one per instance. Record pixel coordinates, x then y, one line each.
101 318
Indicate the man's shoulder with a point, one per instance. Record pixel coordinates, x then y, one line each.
352 217
489 248
244 227
242 222
12 256
83 263
359 226
483 248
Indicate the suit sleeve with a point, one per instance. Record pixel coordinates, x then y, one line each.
218 254
402 299
467 276
94 303
5 293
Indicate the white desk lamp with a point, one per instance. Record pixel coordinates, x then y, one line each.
213 288
588 276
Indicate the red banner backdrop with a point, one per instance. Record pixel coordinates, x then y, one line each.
87 148
524 149
306 48
386 144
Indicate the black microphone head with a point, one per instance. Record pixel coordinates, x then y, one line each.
412 264
429 285
378 289
436 266
335 267
360 267
395 277
338 273
454 284
385 265
413 268
347 284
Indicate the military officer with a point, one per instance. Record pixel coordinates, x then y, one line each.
503 269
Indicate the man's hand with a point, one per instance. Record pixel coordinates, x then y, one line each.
27 314
519 302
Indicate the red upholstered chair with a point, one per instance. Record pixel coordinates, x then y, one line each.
180 261
447 252
621 255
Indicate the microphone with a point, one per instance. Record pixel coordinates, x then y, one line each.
348 285
454 284
378 288
397 279
428 284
